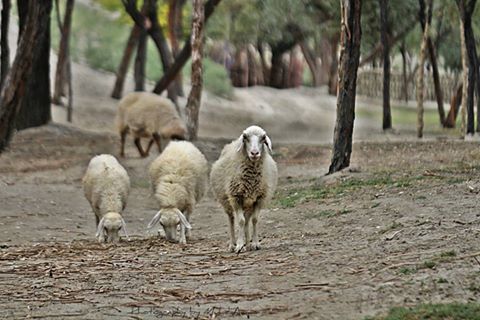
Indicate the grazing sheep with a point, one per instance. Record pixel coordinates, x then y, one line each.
243 180
178 179
147 115
106 186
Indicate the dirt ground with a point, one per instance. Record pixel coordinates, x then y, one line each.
400 228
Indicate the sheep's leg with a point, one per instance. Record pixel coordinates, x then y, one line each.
158 141
255 245
247 215
233 240
139 147
123 136
182 239
150 143
187 214
240 219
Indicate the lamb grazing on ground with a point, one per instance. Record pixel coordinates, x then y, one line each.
147 115
106 185
244 180
178 179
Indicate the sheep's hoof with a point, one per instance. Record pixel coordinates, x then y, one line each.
254 246
240 248
231 247
182 241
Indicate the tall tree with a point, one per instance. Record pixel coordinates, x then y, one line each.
5 51
36 110
61 73
421 69
195 96
123 67
175 32
347 82
31 45
385 35
183 56
466 8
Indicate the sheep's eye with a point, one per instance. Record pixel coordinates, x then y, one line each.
262 138
245 137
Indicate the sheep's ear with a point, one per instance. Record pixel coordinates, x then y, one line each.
100 227
184 220
268 142
155 219
124 227
240 142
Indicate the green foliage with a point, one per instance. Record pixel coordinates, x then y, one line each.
457 311
215 78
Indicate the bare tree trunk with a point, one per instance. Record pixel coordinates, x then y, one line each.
123 68
333 72
421 69
455 104
140 61
63 53
466 8
175 32
252 67
5 50
195 96
311 60
403 52
239 70
263 61
36 109
465 79
31 44
183 56
387 114
347 82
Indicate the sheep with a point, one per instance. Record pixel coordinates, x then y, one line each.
148 115
243 180
106 186
178 177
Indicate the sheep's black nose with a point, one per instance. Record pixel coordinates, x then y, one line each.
254 153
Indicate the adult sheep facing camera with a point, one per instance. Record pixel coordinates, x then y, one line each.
244 180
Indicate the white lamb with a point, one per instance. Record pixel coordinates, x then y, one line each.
106 185
244 180
179 179
147 115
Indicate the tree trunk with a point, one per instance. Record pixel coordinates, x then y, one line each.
455 104
263 62
63 53
183 56
347 83
239 70
464 77
5 51
32 42
466 8
403 52
311 60
195 96
140 61
436 80
387 114
123 68
35 109
175 32
252 67
276 71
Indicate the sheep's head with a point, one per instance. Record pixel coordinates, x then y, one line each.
108 228
253 140
169 219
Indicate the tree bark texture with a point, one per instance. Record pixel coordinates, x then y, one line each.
175 32
465 75
403 52
5 50
466 8
36 109
140 61
31 44
61 82
195 96
384 34
455 104
123 67
347 81
183 56
420 81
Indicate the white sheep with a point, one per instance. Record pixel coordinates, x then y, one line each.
147 115
244 180
106 186
178 179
